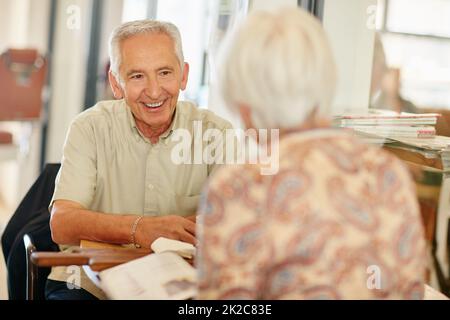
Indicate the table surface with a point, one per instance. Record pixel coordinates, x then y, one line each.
430 293
86 244
432 192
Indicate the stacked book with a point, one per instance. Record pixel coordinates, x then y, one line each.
389 124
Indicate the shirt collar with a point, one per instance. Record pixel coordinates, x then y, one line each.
164 137
132 123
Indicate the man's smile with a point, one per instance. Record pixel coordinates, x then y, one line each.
155 105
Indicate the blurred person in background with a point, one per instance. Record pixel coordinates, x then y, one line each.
386 84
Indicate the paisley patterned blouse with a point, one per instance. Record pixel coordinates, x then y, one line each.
339 220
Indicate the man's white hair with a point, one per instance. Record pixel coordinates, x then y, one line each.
280 65
133 28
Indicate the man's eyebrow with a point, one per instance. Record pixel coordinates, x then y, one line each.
165 68
133 71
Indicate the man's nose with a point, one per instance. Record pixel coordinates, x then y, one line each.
153 89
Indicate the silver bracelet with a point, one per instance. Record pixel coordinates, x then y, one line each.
133 232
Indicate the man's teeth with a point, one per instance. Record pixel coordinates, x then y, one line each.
154 105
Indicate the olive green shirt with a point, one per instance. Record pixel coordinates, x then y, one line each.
109 166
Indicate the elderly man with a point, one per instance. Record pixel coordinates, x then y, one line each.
118 182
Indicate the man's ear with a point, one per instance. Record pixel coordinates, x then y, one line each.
115 86
184 76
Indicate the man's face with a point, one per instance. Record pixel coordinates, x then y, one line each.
151 79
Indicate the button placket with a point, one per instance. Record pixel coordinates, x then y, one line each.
151 204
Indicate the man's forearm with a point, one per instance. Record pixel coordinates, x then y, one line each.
70 224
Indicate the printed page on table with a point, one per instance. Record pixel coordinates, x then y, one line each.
162 276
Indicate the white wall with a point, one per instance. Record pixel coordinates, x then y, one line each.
215 103
23 24
5 18
111 18
189 17
38 24
271 4
14 23
348 24
68 74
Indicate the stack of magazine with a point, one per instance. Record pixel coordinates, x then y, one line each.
389 124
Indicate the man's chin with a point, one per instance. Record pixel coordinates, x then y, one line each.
160 117
156 120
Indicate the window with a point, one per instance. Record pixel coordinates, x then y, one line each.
416 39
135 10
428 17
191 19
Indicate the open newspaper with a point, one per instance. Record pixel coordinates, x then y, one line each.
163 275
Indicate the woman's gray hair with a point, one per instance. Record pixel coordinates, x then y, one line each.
280 65
133 28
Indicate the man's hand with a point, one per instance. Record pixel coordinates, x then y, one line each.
193 218
172 227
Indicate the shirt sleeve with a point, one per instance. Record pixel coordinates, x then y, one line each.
76 180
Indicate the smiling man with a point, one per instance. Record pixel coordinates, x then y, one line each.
117 182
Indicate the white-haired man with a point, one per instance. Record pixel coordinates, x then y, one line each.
118 182
339 220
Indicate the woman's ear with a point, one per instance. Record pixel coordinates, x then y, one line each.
246 115
115 86
317 120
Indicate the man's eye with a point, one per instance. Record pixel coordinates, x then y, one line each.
165 73
136 76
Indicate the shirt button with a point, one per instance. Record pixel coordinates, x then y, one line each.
150 186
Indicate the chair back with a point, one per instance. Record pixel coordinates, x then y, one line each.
32 218
31 268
